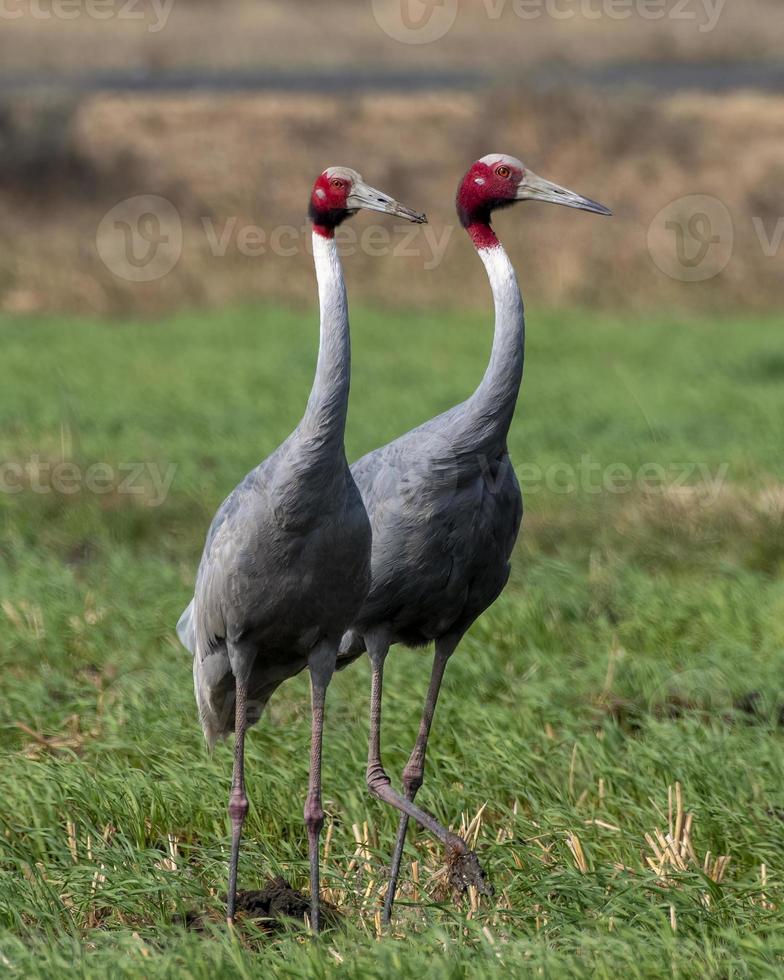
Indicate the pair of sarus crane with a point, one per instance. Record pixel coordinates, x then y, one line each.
310 562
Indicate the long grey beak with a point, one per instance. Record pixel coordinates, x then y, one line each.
364 196
536 188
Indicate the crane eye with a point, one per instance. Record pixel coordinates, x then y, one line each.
503 171
336 182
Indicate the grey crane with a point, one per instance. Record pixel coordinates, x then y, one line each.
286 563
445 508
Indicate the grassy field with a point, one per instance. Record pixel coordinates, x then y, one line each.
634 661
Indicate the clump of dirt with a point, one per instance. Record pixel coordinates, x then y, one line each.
273 907
277 900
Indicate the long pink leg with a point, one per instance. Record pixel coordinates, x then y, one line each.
413 774
464 868
238 801
322 666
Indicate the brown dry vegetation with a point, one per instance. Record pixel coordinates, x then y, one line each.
251 159
677 528
286 34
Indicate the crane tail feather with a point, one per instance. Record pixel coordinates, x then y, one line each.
212 724
185 629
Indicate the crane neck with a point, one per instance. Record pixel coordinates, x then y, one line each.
492 405
324 422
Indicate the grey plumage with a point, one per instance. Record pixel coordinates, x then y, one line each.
444 522
445 506
445 509
286 563
444 503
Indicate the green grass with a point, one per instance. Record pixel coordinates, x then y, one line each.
613 667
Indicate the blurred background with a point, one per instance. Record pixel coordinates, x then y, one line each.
221 113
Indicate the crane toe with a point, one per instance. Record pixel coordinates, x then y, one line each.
465 870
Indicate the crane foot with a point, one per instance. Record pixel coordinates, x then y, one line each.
465 870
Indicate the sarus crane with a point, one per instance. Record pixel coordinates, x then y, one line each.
445 509
286 563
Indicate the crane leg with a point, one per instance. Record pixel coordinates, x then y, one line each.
322 666
463 864
238 801
413 774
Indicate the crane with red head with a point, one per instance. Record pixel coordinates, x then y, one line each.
445 508
286 563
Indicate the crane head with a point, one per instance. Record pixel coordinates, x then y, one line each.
498 181
340 192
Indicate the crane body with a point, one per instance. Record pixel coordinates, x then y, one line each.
445 509
286 562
